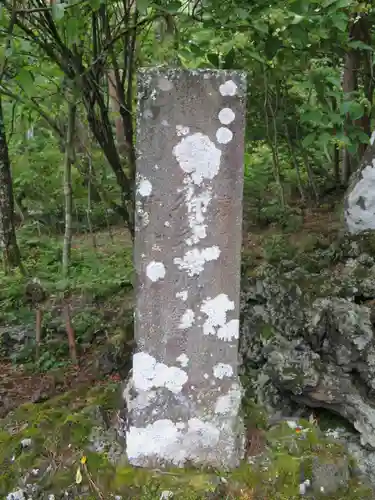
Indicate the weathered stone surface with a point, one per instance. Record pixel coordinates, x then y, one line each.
185 393
308 340
360 199
330 475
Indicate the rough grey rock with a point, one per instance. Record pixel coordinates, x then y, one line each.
16 495
104 437
328 477
360 198
308 339
14 338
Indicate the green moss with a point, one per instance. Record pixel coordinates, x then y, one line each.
60 429
267 332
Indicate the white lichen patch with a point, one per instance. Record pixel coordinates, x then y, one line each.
148 114
229 88
198 156
230 331
229 404
226 116
165 85
148 374
182 295
144 187
200 159
194 260
360 212
187 320
216 323
222 370
155 271
168 442
224 135
183 360
181 130
197 207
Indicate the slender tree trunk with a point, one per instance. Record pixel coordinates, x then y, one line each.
38 330
70 333
295 163
336 165
69 158
349 85
368 81
358 32
8 241
272 140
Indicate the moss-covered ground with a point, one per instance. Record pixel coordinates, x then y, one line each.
46 443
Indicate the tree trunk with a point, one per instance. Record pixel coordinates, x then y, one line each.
69 159
8 241
368 81
358 67
349 85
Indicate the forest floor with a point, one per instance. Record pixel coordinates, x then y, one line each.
29 393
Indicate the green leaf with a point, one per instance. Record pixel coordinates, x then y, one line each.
25 79
95 4
340 21
196 50
242 14
297 19
72 26
142 6
361 136
300 35
356 110
299 6
314 116
324 139
229 59
352 148
357 44
214 59
272 45
308 140
337 4
345 107
256 56
260 26
172 7
58 11
343 139
328 3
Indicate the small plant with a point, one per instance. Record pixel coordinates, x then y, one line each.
277 248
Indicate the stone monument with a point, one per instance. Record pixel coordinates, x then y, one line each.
184 395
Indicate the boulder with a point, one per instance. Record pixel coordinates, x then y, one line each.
308 339
359 211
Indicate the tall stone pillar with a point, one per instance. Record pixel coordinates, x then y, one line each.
185 394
